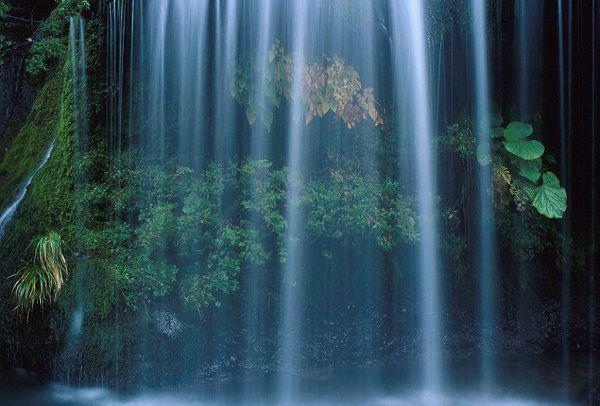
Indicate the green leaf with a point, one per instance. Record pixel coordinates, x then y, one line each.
530 190
516 131
551 199
530 169
551 180
525 149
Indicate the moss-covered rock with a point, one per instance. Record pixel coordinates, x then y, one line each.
48 205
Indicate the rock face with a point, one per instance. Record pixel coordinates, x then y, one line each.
590 394
167 323
16 99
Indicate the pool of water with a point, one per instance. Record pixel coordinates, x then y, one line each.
520 381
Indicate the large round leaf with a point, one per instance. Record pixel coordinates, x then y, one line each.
530 169
550 199
517 131
527 150
551 180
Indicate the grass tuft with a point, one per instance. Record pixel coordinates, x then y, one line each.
38 284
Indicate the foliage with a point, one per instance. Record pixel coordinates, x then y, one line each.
460 139
43 54
518 164
328 85
5 7
347 205
34 288
524 157
189 234
70 8
46 52
50 258
549 198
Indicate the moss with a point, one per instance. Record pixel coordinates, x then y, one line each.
32 140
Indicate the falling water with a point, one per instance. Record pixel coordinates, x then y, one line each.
593 311
226 26
487 264
182 57
79 80
80 109
8 214
115 66
564 83
528 61
528 45
291 316
256 280
411 17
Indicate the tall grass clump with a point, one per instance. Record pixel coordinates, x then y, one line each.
38 284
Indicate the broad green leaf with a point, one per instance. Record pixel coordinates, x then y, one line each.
530 189
516 131
530 169
525 149
551 199
551 180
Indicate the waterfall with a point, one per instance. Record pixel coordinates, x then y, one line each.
291 315
410 17
321 293
565 92
593 291
258 313
226 35
487 262
528 60
528 45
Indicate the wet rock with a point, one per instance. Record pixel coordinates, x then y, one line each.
589 394
167 323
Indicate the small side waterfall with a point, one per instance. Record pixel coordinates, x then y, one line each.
79 92
10 211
